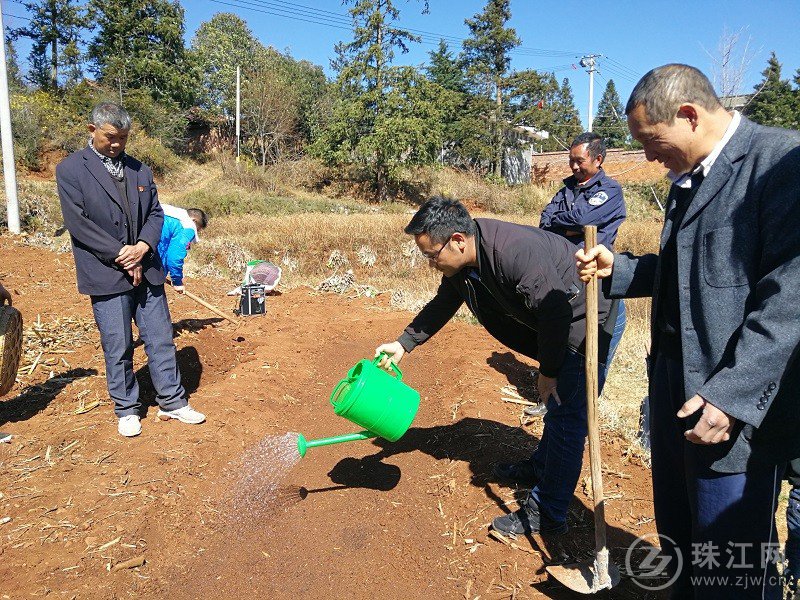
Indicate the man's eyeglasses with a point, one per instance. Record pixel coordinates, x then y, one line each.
436 254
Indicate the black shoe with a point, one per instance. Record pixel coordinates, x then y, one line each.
537 410
527 519
519 472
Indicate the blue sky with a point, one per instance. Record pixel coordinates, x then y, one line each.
632 36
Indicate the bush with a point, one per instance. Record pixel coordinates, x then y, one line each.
39 209
162 121
152 153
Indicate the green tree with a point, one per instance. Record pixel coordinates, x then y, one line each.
139 45
532 96
219 46
611 121
409 130
313 94
15 82
566 123
486 55
461 124
774 100
797 97
365 124
445 70
55 30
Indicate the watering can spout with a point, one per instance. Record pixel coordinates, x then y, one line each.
303 444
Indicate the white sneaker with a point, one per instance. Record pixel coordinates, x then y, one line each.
129 425
184 414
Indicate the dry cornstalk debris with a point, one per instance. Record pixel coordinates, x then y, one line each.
129 564
59 336
84 408
515 401
501 538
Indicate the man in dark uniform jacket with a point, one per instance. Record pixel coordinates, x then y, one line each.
589 196
110 207
521 284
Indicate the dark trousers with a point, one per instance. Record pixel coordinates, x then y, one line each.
146 305
719 526
558 458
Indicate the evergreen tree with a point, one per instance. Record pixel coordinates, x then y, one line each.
532 96
446 70
219 46
55 31
139 45
611 121
796 92
486 54
566 122
774 101
15 82
385 116
458 122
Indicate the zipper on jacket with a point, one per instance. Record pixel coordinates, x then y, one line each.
472 299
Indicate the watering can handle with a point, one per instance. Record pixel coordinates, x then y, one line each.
394 367
339 385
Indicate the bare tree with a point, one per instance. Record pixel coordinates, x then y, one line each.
270 110
731 61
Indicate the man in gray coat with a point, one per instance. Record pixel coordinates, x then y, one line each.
725 366
110 206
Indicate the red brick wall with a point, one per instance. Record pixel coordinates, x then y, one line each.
622 165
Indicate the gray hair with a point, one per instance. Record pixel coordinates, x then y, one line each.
113 114
665 88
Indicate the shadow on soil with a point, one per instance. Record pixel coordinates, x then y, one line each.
35 398
369 473
519 374
191 370
483 443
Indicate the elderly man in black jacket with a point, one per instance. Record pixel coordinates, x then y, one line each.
110 206
521 284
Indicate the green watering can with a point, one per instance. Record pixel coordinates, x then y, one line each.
373 399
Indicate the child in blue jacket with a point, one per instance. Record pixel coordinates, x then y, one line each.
180 230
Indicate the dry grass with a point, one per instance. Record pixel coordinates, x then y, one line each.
627 379
477 192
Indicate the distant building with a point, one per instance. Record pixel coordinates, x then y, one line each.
736 102
521 145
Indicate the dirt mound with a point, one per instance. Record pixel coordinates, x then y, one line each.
359 520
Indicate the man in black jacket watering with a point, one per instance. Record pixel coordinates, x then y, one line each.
521 284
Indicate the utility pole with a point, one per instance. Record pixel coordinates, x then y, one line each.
9 168
588 62
238 109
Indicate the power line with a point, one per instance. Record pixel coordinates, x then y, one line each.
623 68
309 14
619 74
5 14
